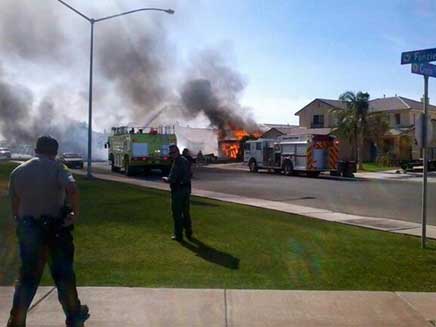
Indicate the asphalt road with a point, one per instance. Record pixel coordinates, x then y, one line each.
373 198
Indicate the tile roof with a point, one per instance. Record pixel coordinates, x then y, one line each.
286 130
279 125
332 103
396 103
380 104
303 131
283 131
283 128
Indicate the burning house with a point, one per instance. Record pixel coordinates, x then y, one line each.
137 71
229 148
231 145
224 113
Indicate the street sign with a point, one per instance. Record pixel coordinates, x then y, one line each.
418 56
418 131
424 69
423 127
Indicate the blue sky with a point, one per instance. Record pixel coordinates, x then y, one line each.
293 51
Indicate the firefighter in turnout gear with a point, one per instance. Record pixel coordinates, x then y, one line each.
38 189
180 183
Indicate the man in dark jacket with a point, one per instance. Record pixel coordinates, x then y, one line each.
187 154
180 183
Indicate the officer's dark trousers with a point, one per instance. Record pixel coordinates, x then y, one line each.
180 205
36 248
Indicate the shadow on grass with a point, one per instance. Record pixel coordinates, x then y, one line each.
212 255
203 204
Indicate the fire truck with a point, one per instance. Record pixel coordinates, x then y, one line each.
287 154
135 149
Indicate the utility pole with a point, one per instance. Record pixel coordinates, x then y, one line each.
92 21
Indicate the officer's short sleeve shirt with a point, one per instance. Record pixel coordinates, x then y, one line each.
40 186
64 176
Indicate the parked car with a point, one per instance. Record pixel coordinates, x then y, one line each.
5 154
72 160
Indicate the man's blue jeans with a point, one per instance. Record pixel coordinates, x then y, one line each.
37 246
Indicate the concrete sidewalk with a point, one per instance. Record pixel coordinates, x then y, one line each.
377 223
140 307
392 175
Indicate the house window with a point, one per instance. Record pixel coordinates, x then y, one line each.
398 119
318 121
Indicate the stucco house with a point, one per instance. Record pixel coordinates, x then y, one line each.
402 114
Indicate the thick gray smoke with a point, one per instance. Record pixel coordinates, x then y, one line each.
216 94
135 65
34 35
32 31
130 68
15 102
23 126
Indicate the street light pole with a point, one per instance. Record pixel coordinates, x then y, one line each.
92 21
91 62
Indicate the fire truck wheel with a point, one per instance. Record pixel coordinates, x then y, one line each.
288 168
128 170
113 168
253 166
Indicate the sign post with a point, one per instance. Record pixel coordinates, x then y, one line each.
420 65
425 164
418 130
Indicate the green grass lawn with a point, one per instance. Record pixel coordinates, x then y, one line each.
373 167
123 238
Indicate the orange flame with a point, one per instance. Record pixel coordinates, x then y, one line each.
230 150
239 134
230 142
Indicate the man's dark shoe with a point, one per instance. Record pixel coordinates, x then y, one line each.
175 238
80 318
189 236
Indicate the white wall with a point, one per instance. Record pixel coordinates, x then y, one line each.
197 139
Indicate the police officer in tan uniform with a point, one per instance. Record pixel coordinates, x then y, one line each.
38 189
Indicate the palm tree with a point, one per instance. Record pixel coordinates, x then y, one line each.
353 121
357 124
